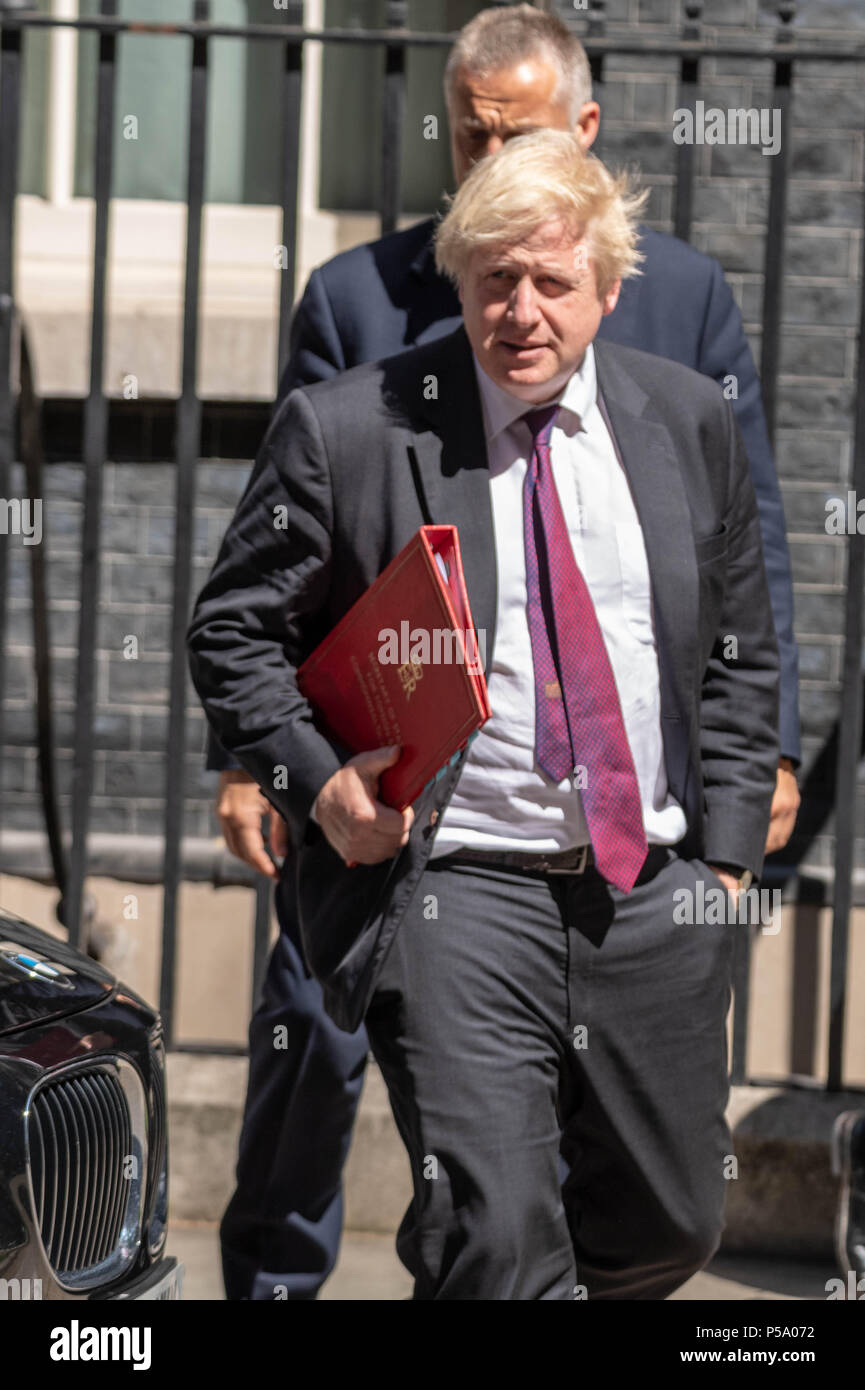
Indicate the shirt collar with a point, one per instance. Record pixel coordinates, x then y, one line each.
501 409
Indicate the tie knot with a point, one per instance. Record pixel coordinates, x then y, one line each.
540 422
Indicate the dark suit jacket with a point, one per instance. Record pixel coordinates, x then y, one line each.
275 591
378 299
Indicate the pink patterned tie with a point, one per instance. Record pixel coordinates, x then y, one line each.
578 718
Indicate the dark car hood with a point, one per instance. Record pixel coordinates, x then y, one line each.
51 980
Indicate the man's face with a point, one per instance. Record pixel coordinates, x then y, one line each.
531 311
487 110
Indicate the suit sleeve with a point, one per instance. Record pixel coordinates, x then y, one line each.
739 697
316 354
724 352
253 622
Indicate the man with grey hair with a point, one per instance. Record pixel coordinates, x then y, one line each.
497 42
512 939
512 70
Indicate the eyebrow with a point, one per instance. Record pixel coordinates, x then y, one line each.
474 123
503 263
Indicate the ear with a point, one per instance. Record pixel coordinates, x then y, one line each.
586 128
611 298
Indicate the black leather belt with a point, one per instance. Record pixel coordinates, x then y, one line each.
567 861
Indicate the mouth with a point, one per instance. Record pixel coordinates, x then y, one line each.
522 351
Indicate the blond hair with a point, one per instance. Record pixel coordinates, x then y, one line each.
536 179
500 38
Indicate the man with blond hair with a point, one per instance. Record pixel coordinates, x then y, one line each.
513 69
511 938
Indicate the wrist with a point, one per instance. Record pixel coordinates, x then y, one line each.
744 877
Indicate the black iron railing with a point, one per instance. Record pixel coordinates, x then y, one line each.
780 49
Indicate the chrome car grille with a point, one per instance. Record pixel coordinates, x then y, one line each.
157 1122
88 1158
157 1181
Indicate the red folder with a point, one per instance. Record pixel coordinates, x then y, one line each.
404 666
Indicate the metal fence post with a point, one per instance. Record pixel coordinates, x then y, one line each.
94 451
850 734
392 119
689 79
188 446
776 227
10 119
292 87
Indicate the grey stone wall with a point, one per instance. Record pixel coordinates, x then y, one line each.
821 303
132 694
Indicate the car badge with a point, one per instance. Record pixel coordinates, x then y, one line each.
35 965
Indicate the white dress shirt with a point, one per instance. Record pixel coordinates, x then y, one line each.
502 800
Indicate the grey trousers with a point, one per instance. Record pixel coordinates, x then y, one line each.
519 1018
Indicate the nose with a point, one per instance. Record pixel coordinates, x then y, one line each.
523 306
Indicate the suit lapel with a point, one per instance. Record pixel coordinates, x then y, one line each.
450 451
653 470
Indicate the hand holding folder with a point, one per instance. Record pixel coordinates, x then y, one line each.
404 667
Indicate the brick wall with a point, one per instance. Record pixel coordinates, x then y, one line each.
132 694
813 447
